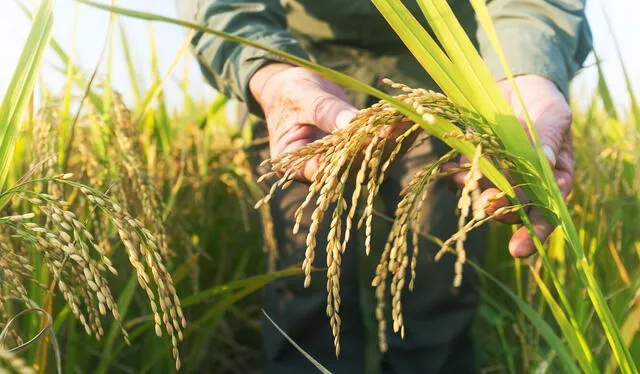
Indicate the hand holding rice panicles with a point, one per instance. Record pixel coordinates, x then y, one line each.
301 107
361 148
378 160
387 133
551 116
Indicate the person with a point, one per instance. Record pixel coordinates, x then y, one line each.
545 42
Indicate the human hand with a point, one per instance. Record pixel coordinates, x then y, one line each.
551 117
300 107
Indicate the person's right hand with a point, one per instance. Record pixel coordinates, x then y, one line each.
299 107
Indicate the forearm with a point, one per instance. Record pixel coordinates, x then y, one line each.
549 38
229 66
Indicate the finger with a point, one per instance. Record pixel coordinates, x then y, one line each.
552 128
521 196
459 177
309 168
506 88
391 134
521 244
493 200
326 111
565 168
291 137
551 155
449 168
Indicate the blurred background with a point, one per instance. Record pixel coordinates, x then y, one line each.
92 25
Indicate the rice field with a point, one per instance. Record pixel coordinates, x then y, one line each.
121 222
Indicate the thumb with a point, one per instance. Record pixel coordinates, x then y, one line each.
552 130
327 112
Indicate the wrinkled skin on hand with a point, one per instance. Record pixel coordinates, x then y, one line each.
300 107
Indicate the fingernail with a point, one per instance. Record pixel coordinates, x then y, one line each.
344 118
551 156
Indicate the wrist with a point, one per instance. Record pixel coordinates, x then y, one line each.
258 83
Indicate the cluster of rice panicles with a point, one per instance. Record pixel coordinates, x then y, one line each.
134 180
362 150
68 250
79 261
15 268
146 255
79 265
44 140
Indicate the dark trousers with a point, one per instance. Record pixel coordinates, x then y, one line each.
437 317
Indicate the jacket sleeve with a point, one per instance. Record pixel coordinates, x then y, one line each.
226 65
550 38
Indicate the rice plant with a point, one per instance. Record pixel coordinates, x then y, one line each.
459 71
43 225
159 198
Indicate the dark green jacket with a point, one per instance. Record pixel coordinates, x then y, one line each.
550 38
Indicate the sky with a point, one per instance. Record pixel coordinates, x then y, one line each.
91 27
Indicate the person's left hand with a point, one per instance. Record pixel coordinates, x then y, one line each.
551 117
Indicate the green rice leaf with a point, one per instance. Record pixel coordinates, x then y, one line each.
537 321
312 360
604 91
21 87
131 68
70 69
574 336
260 280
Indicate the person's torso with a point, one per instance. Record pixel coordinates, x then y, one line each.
356 22
353 37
